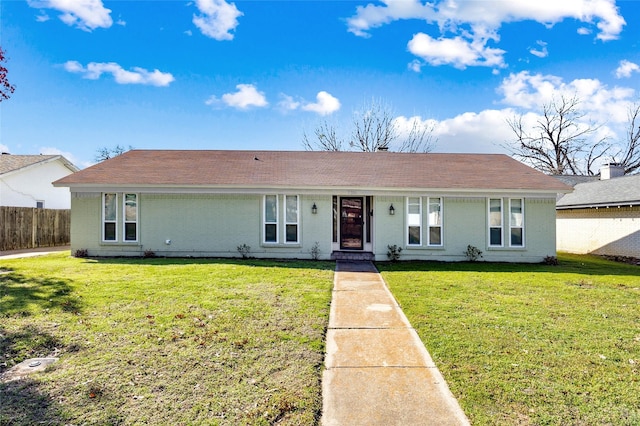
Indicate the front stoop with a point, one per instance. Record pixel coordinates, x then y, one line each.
358 256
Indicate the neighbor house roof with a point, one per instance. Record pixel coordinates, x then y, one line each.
620 191
11 163
312 170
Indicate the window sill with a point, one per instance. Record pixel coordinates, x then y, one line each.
437 248
519 248
281 245
121 243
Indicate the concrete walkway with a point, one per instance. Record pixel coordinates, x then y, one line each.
378 372
17 254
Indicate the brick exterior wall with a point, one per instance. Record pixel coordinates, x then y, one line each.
605 231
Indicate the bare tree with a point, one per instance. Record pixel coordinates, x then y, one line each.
559 143
374 129
629 155
105 153
6 88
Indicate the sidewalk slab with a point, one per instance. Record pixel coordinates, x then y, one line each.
388 396
375 348
364 309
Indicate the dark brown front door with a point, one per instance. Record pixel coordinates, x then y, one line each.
351 223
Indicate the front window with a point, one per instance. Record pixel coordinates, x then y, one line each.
435 221
130 217
414 221
291 218
516 221
495 222
270 218
109 216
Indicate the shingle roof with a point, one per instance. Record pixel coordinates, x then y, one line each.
313 169
11 163
618 191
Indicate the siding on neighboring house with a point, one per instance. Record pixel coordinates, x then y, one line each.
605 231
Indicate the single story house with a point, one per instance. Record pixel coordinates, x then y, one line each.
601 216
25 181
290 204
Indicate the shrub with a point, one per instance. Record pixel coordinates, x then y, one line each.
82 253
148 254
315 251
393 252
473 253
551 260
244 250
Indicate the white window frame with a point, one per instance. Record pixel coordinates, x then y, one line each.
264 219
104 221
419 222
297 221
511 225
490 227
431 225
124 217
40 204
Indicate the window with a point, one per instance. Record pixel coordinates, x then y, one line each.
495 222
434 219
39 204
109 216
414 221
130 217
291 218
516 221
270 218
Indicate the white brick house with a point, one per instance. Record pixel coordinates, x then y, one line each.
601 217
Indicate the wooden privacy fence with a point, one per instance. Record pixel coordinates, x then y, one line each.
25 227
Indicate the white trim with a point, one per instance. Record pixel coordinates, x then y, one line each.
264 219
296 223
429 226
419 204
520 227
489 227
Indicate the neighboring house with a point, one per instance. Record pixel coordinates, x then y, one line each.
282 204
601 216
25 181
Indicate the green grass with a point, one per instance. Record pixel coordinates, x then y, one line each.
530 344
164 341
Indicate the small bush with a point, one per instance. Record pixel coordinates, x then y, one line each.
393 252
315 251
244 250
473 253
551 260
148 254
82 253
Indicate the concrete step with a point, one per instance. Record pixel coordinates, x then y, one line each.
353 256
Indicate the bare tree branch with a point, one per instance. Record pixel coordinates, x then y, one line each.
105 153
6 88
559 142
630 153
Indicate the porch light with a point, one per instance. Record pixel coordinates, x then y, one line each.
392 211
314 209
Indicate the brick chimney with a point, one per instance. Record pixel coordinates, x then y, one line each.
611 170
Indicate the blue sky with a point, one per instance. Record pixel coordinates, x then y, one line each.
213 74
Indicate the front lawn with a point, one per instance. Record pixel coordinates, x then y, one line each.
530 344
164 341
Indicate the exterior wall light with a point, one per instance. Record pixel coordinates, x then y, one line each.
392 211
314 208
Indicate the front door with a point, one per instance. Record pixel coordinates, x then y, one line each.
351 223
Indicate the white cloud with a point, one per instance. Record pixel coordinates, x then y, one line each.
4 148
138 75
218 18
454 51
84 14
542 52
467 26
626 68
287 103
326 104
247 96
599 102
